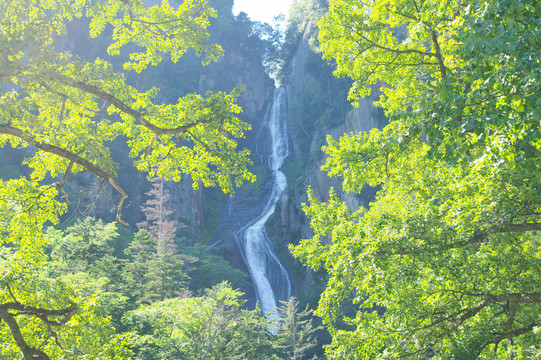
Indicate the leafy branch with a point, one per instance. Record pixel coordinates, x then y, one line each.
53 149
8 312
132 112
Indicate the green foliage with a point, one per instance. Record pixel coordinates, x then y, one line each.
141 24
87 243
303 15
296 335
445 261
70 109
152 275
67 112
208 269
213 326
374 53
36 304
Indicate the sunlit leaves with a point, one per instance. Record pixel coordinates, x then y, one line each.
213 325
62 101
158 30
24 208
88 332
68 111
445 261
390 42
208 152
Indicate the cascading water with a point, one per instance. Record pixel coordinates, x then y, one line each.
271 280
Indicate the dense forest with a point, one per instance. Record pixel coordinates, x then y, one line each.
132 150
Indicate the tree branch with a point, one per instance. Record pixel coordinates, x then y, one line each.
396 51
60 185
66 154
439 57
30 353
520 227
489 300
477 238
524 298
131 111
510 335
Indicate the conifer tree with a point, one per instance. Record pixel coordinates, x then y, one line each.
296 333
158 217
164 268
152 276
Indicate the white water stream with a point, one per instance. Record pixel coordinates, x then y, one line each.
271 280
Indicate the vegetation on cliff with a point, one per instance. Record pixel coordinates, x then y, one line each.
443 263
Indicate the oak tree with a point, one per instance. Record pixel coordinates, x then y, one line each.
445 261
67 112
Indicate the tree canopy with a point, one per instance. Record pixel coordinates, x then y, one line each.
445 261
213 326
70 109
67 112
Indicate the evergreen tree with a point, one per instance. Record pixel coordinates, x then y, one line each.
157 215
85 246
296 334
163 266
149 275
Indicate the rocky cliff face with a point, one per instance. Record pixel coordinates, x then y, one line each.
200 211
346 119
312 89
196 211
236 68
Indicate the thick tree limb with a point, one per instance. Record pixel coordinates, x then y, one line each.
438 55
508 228
520 227
463 315
510 334
9 130
131 111
6 315
524 298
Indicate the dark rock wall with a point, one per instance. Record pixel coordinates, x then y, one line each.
308 137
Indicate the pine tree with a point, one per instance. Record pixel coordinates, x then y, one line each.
296 332
157 271
151 276
157 217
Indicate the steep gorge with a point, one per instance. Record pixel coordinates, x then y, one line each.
316 105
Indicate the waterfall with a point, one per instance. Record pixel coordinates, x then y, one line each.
270 278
